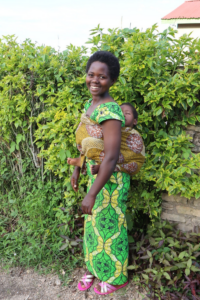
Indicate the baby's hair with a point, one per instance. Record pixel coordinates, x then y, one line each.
135 114
107 58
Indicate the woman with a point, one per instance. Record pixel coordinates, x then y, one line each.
105 235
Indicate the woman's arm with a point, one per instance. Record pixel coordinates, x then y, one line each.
112 142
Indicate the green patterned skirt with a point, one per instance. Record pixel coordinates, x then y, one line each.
105 232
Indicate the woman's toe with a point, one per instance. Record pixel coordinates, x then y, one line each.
98 288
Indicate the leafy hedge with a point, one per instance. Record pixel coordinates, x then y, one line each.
166 261
166 95
42 94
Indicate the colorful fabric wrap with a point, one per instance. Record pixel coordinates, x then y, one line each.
89 140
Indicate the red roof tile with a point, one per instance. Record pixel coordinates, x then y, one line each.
187 10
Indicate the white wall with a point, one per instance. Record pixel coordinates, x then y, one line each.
195 32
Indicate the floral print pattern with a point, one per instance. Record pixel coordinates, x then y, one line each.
135 143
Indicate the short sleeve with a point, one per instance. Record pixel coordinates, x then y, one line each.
87 105
108 111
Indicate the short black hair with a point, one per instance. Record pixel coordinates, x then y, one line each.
135 114
107 58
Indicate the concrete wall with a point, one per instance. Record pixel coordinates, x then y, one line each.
194 132
180 210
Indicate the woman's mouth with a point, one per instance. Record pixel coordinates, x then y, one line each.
94 88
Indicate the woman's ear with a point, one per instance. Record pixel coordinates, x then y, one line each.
113 81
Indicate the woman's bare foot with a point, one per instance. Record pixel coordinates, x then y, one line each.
94 169
81 282
74 161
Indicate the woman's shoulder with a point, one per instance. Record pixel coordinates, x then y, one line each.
109 110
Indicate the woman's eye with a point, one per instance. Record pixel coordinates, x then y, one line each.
90 75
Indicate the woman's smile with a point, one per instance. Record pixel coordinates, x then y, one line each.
94 87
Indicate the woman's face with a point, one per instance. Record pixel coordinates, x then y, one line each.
98 80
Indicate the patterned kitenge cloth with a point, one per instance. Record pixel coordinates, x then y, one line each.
89 140
105 231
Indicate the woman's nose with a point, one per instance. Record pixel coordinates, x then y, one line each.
95 79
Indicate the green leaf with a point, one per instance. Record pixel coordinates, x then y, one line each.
182 254
181 265
64 168
64 246
195 269
19 138
184 105
187 272
152 241
166 275
12 201
158 111
132 267
73 243
45 58
68 153
62 154
190 102
16 124
166 263
151 261
192 120
186 155
189 263
144 257
197 195
196 247
149 253
145 276
122 80
12 147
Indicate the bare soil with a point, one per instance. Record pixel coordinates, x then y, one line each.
19 284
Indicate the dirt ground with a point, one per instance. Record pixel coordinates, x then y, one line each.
19 284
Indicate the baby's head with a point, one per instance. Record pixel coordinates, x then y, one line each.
130 114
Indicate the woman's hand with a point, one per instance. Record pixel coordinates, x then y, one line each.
74 179
87 204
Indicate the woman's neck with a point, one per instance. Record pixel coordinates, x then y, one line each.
96 100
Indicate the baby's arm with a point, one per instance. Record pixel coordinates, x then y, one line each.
74 161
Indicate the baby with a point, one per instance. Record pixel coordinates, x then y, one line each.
132 142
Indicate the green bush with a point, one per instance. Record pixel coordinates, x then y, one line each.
33 223
42 94
166 261
160 76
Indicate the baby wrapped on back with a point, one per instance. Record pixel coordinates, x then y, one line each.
89 140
